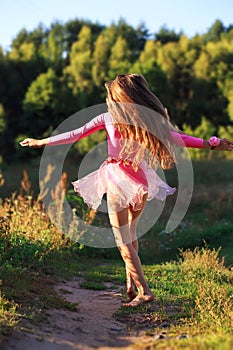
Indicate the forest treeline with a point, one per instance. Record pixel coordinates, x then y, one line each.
50 73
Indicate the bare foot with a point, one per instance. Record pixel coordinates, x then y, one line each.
140 299
131 295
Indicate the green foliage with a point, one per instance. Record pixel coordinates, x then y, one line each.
165 35
73 27
226 132
155 76
119 61
25 52
36 36
8 314
209 217
52 72
193 293
213 293
40 93
215 31
78 73
193 302
19 251
230 106
2 119
100 59
54 48
43 102
204 131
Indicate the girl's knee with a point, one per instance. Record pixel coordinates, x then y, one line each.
122 235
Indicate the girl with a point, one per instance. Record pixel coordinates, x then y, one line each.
139 139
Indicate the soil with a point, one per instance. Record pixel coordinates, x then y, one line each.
93 326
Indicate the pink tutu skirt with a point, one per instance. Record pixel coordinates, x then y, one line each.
124 187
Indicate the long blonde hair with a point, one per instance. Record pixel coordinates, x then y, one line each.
140 118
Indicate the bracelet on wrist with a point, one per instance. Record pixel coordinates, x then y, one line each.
214 141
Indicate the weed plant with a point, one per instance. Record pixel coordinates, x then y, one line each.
192 285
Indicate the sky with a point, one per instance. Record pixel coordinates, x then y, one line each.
190 17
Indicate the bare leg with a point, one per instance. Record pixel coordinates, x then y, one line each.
122 233
133 218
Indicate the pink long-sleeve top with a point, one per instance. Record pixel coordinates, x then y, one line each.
103 121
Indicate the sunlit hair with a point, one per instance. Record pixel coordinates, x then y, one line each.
141 120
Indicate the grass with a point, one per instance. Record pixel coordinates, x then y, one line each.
190 275
208 219
194 303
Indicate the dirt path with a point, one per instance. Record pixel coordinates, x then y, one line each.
93 326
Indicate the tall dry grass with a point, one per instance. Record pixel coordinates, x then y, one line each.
213 301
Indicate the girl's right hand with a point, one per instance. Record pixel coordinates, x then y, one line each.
225 145
28 142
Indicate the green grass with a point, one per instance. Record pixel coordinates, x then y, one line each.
194 297
193 287
189 292
208 219
210 342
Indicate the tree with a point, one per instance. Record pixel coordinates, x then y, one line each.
55 71
21 38
100 59
207 100
26 63
142 35
166 35
156 78
176 60
214 86
202 66
131 36
226 132
36 36
2 119
43 106
54 48
17 68
215 31
105 65
72 29
79 71
119 61
25 52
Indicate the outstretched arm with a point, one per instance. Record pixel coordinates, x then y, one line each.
194 142
95 124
